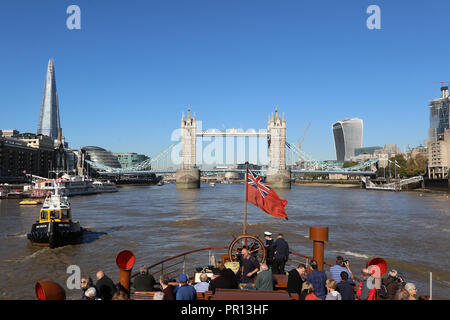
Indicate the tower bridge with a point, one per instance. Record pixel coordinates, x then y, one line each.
277 174
282 155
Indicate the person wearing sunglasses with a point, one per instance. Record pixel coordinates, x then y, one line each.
86 283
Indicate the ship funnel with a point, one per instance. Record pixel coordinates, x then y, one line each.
125 261
48 290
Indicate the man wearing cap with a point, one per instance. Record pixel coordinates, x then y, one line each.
269 248
185 291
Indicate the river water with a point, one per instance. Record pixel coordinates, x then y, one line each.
410 230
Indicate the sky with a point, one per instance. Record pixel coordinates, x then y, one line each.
127 75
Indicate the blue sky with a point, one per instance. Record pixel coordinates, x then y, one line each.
125 78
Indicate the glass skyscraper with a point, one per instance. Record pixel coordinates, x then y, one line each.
49 124
348 136
439 115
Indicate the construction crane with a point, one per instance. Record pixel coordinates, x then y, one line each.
300 143
441 82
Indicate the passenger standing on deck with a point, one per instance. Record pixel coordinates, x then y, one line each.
281 255
295 279
346 287
392 283
340 266
105 286
318 280
364 292
185 291
269 248
144 281
249 266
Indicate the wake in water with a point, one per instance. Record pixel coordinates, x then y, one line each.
15 235
349 253
28 257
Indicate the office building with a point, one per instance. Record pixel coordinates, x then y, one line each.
49 123
439 115
439 156
18 158
366 150
101 156
130 159
348 136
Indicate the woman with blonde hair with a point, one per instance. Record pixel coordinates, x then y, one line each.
412 290
308 292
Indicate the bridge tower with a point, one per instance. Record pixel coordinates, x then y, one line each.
188 176
277 175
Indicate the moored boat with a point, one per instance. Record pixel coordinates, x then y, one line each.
104 186
55 227
29 202
70 186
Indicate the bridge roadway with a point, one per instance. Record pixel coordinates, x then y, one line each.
169 171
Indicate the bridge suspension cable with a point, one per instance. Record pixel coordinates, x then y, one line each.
313 164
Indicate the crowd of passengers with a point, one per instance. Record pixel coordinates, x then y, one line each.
308 282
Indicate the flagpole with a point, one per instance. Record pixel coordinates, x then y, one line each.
246 197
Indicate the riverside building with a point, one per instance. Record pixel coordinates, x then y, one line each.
439 156
439 115
130 159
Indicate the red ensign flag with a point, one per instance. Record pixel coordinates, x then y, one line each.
262 196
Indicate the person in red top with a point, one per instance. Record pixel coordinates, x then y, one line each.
308 292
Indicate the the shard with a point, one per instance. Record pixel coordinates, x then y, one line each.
49 124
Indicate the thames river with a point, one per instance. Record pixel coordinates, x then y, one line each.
410 230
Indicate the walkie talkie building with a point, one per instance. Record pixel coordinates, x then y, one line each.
348 136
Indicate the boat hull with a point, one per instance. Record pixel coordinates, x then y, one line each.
55 234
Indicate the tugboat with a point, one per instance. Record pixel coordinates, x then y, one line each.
55 227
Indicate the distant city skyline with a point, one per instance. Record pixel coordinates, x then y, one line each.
127 75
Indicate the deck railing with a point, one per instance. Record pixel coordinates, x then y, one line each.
177 263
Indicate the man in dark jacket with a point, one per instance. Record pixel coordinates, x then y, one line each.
105 286
281 255
144 281
295 280
392 283
346 287
221 280
269 248
249 266
232 281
